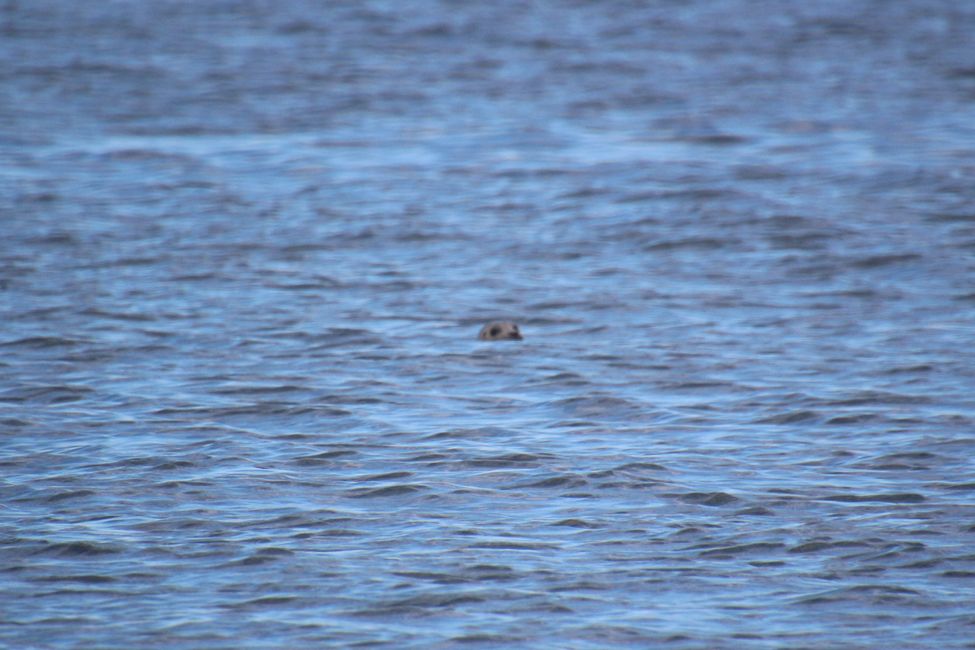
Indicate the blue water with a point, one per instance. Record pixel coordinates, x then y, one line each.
247 248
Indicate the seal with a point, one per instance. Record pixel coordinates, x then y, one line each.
500 331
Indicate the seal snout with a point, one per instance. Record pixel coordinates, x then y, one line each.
500 331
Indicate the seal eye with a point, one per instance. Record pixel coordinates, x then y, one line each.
495 331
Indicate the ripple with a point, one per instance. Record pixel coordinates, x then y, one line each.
870 593
760 548
558 481
386 491
707 498
896 497
504 460
43 342
241 395
876 261
80 549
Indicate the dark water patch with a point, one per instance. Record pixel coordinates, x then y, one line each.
694 385
80 549
921 460
876 261
630 484
342 337
55 238
484 639
706 498
639 197
70 494
563 379
817 546
960 487
257 390
173 465
53 394
422 604
585 193
513 545
505 460
185 483
133 461
877 594
175 523
878 398
720 139
759 172
335 398
89 579
263 556
598 406
195 277
801 241
341 532
43 342
385 491
264 602
491 572
895 497
859 418
136 154
963 72
386 476
912 369
559 481
122 262
434 577
120 316
577 523
304 519
640 466
261 408
761 548
88 593
952 217
687 244
792 417
297 286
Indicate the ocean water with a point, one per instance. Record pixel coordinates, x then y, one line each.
247 247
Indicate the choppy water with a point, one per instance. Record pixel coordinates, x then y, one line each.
247 247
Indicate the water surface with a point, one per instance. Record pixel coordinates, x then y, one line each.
247 248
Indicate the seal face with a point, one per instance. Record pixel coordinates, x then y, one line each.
500 331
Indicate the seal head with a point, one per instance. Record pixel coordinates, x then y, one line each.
500 331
